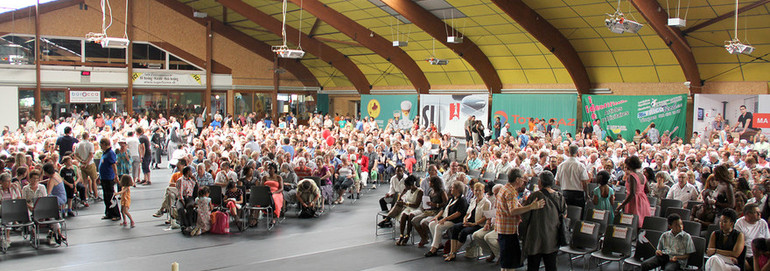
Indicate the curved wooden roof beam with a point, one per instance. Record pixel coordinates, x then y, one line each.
657 18
551 38
258 47
313 46
370 40
437 28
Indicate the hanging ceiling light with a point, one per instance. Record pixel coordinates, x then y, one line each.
102 38
678 21
735 46
617 23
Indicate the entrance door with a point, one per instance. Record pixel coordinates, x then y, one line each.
219 104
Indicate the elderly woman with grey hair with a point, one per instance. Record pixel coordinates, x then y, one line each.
539 227
289 183
660 188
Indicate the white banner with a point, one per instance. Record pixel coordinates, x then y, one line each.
85 97
449 112
167 79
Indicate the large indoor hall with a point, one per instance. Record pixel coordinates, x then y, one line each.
385 135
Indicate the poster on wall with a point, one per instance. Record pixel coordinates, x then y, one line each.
625 114
386 107
85 96
167 79
722 111
449 112
517 109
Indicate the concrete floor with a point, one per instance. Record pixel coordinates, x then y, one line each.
342 239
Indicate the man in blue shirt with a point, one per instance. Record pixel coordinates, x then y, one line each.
286 147
107 169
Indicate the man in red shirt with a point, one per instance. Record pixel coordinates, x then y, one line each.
302 170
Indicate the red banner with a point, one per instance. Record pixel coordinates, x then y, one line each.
761 120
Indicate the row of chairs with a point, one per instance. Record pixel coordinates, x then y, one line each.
45 213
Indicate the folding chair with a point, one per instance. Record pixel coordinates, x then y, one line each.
629 220
616 246
488 177
653 201
644 250
600 217
669 203
691 227
585 239
46 212
215 193
691 204
683 213
15 215
260 200
655 223
620 197
695 261
474 174
573 214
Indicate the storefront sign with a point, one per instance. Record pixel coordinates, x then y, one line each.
85 97
386 107
625 114
517 109
167 79
449 112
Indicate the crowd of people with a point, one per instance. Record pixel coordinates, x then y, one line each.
538 171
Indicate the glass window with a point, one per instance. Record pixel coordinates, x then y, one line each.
174 63
181 103
26 105
259 103
53 103
60 49
148 56
151 103
17 50
113 102
96 54
219 103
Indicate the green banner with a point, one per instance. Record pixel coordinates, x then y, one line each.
625 114
517 109
322 106
386 107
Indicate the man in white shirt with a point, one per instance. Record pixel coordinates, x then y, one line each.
226 175
133 150
84 154
683 191
396 187
758 197
752 226
572 177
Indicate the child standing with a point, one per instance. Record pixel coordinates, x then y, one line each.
203 202
126 182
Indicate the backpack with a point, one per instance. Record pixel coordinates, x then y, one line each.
220 223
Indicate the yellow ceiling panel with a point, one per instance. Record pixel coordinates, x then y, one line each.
539 4
671 73
589 45
490 19
625 43
512 77
756 71
639 74
720 72
461 78
653 42
568 23
632 58
475 10
533 62
495 50
502 29
604 74
598 59
663 57
553 61
527 49
556 12
580 33
438 78
397 80
515 38
599 8
343 6
715 55
505 63
540 76
562 76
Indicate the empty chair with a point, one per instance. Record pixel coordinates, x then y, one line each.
693 228
620 197
653 201
15 215
669 203
261 199
644 250
616 246
691 204
585 239
215 193
629 220
46 212
655 223
600 217
573 214
488 177
695 261
683 213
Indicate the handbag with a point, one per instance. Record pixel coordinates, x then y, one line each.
562 234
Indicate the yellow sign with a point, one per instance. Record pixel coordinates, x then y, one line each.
197 78
373 108
135 76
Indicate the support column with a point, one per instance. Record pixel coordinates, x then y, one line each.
207 93
130 57
38 98
276 84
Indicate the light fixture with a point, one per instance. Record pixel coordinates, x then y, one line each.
617 23
400 43
735 46
437 61
454 39
216 97
678 21
102 38
201 15
114 43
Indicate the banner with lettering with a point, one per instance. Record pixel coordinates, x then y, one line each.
167 79
625 114
517 109
715 112
449 112
385 107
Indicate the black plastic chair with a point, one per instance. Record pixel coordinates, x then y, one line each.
655 223
653 201
600 217
691 227
573 214
15 215
691 204
585 239
644 250
620 197
669 203
695 261
629 220
261 199
46 212
215 193
616 246
684 214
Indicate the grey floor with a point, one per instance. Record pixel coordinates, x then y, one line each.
342 239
